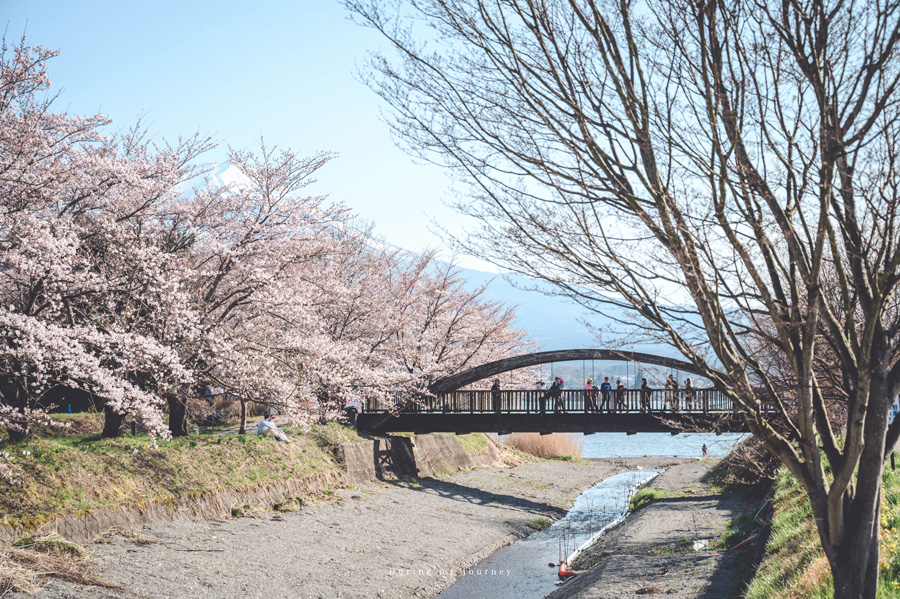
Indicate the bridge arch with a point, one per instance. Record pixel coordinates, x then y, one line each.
466 377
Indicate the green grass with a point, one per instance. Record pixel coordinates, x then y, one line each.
539 524
74 473
739 528
568 458
795 564
333 433
643 497
473 442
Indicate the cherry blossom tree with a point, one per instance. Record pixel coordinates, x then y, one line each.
252 248
408 321
127 274
85 296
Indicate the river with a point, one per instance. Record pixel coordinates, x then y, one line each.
527 568
523 569
687 445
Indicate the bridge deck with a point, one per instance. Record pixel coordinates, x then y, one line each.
533 411
378 422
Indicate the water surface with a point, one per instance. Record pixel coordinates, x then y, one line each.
521 570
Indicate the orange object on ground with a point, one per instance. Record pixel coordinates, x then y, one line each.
564 571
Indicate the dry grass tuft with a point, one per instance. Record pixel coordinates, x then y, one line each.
817 575
51 544
24 569
14 577
546 446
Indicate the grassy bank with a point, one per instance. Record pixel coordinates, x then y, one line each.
72 469
795 564
79 472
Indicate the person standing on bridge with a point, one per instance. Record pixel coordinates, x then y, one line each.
676 394
590 396
669 402
620 397
495 396
605 389
645 396
541 396
556 394
688 394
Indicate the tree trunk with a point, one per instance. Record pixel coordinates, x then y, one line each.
855 563
854 574
243 429
112 423
18 434
177 417
12 396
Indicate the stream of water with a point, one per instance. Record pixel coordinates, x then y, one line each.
523 569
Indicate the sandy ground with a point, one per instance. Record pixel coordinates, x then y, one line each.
383 540
652 551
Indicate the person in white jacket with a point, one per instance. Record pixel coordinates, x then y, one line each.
266 428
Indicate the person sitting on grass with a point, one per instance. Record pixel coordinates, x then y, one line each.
266 428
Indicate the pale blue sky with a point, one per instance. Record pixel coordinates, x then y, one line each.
237 70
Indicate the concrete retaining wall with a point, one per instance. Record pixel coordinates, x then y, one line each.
419 456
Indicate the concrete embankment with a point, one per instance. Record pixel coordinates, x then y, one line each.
418 456
390 540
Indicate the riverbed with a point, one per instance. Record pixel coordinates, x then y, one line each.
523 569
401 540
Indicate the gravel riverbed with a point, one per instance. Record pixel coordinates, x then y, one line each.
387 540
652 551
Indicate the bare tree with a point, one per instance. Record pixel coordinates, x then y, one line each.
704 164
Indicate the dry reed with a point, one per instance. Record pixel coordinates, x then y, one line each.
24 568
546 446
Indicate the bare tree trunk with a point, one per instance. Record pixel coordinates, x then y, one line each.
12 395
18 435
243 429
112 423
855 572
177 416
854 563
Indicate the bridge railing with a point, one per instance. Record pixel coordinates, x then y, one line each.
532 401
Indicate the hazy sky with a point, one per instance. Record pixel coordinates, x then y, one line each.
284 70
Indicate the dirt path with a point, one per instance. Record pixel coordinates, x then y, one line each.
652 551
378 540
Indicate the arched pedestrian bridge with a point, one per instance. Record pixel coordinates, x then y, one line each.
452 410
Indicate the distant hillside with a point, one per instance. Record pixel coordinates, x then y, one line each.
553 321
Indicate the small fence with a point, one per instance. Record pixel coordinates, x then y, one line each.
526 401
